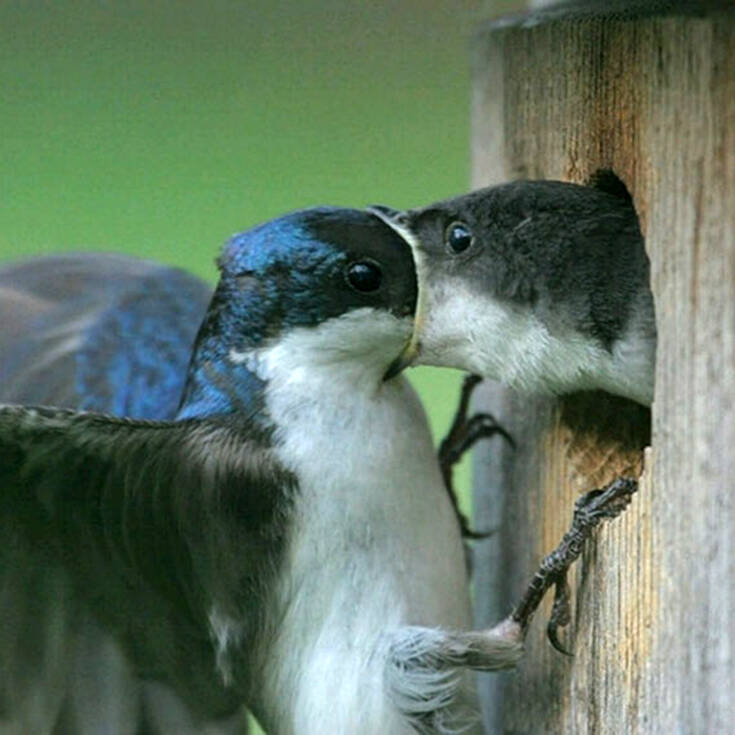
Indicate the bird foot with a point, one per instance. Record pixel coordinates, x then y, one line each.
464 433
589 511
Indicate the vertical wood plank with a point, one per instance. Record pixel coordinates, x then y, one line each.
650 95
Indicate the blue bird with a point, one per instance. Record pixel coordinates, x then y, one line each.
267 525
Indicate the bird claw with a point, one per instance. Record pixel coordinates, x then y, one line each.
589 510
561 615
608 502
464 432
552 633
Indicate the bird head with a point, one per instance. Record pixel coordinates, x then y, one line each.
326 286
534 283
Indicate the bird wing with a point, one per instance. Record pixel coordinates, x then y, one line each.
154 527
99 332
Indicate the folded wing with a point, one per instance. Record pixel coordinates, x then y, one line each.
151 530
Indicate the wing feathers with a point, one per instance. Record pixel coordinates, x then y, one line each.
175 518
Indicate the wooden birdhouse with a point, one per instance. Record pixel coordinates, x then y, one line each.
645 90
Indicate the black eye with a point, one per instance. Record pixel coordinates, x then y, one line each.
364 276
458 237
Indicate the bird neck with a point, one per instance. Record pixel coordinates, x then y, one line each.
342 357
235 364
216 386
228 381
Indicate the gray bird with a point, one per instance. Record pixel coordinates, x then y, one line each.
542 285
280 538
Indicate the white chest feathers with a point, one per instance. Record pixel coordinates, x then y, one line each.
375 545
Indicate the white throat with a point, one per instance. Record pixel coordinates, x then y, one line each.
511 344
357 346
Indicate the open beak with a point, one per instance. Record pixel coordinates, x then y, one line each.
396 220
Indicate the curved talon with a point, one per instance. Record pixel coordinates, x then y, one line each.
473 535
561 613
552 633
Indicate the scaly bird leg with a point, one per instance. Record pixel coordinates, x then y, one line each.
420 658
502 645
589 510
463 434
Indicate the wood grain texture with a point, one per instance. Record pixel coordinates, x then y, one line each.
652 97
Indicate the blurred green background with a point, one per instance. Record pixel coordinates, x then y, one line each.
160 128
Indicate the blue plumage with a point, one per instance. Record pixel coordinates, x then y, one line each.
146 343
266 287
278 540
287 239
149 547
268 274
214 388
98 332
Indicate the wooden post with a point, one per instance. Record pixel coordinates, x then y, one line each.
649 92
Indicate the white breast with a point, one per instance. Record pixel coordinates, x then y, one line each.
375 545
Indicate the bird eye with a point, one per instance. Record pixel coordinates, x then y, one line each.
364 276
458 237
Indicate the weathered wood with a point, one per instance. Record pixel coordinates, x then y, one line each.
650 95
